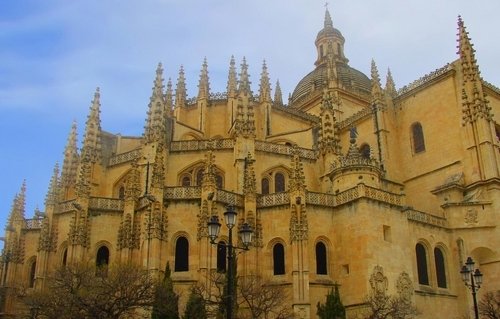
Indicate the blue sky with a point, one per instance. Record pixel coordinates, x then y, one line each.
54 53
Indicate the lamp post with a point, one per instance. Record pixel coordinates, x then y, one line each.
245 233
473 279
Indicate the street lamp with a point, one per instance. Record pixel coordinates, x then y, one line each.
473 279
245 233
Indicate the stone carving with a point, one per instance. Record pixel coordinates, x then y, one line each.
202 221
128 233
299 226
404 287
79 231
48 237
208 180
156 222
158 178
471 216
133 183
378 281
249 183
297 179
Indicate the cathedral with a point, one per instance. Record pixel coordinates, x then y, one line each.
349 182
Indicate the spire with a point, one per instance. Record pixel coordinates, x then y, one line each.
155 123
328 19
329 141
180 91
265 85
376 86
278 96
18 206
244 85
466 52
53 192
474 102
158 84
91 149
71 159
390 86
169 104
232 81
204 86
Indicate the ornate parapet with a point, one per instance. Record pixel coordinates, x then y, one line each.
352 120
66 206
229 198
182 192
33 223
320 199
200 145
276 199
425 218
364 191
268 147
425 79
124 157
106 204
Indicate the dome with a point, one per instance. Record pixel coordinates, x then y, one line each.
349 78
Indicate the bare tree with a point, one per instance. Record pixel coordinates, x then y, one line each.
489 305
83 291
383 306
263 298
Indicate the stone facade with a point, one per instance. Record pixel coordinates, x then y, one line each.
350 178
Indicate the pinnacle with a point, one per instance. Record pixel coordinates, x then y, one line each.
265 86
328 19
390 86
180 91
158 83
232 81
203 85
278 96
244 79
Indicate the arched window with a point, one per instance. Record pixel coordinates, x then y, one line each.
221 257
181 254
321 268
186 181
440 268
219 181
102 258
423 277
121 192
279 182
365 151
278 259
32 274
199 177
418 138
265 186
65 257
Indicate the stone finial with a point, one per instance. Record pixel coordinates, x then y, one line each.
169 97
180 91
91 149
474 102
53 192
278 96
155 122
232 82
18 206
376 86
265 85
71 159
329 141
204 85
390 86
244 83
158 84
328 19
